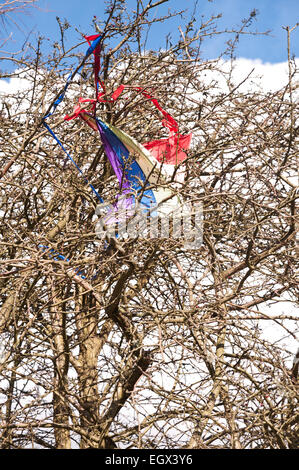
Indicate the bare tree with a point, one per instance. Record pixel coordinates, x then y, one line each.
9 9
154 345
9 6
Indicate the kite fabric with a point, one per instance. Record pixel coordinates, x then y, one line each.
138 174
136 166
172 149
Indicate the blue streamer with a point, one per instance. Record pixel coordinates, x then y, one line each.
58 256
93 45
89 51
60 98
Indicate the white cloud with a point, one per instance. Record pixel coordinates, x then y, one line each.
13 85
263 76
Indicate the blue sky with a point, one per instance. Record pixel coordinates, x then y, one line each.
273 14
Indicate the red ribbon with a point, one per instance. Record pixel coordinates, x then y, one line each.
170 150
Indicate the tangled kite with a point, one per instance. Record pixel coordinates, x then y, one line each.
119 147
137 167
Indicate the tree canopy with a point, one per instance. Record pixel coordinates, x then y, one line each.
153 345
